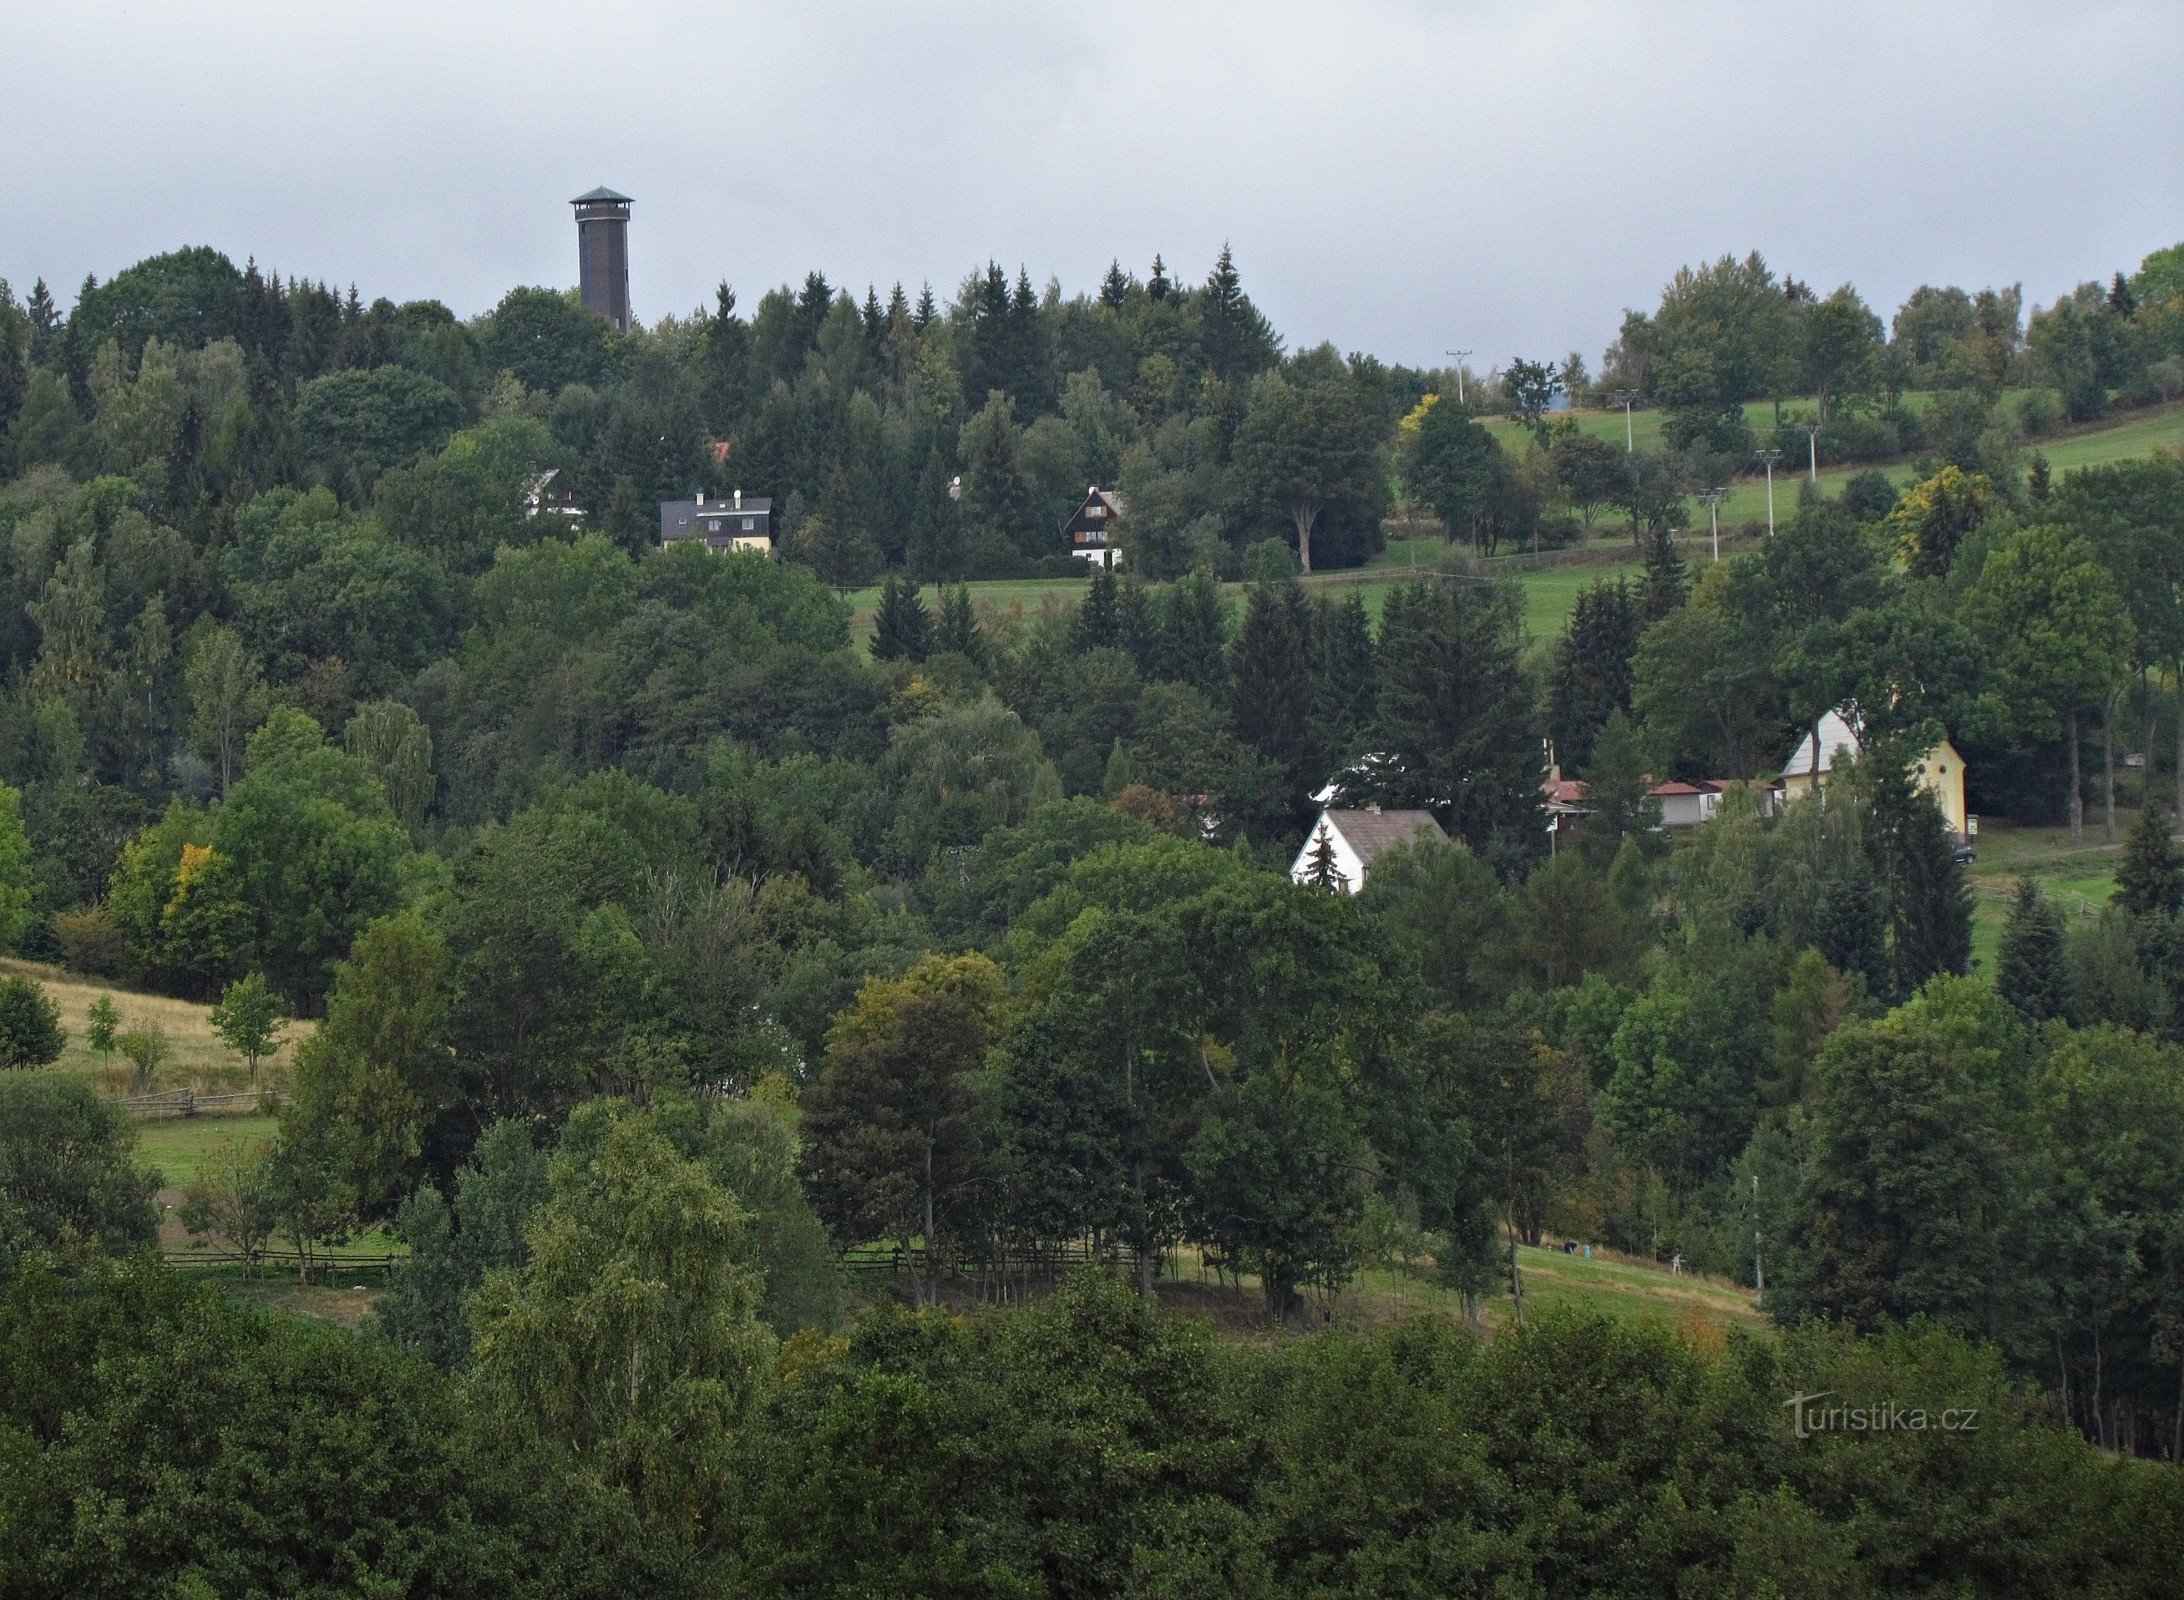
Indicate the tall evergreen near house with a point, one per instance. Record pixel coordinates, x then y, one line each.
1271 707
1345 680
902 628
2029 968
1320 870
1098 623
1454 710
1666 580
1592 674
1929 906
2150 880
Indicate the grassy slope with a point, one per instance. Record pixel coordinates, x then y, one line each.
1549 595
2079 881
200 1061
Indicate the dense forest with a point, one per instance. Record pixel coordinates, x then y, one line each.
661 939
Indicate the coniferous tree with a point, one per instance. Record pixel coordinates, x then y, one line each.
1320 870
1114 288
1453 710
1136 630
901 628
1272 698
1929 907
936 528
1158 286
2150 879
1666 580
1235 336
2029 971
958 632
1098 623
1345 679
833 542
1191 644
927 309
1592 673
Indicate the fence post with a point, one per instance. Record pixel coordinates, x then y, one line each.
189 1102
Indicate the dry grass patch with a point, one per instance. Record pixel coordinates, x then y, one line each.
198 1061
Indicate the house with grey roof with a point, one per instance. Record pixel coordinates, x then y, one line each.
1342 846
741 522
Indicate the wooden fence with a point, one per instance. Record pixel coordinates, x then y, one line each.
320 1261
189 1103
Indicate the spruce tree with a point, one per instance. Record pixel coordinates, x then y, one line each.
1272 698
2150 880
832 541
1236 339
1191 638
1115 287
927 309
958 631
1345 679
1098 623
936 529
2029 970
1136 629
1592 669
1158 286
1929 907
901 628
1320 870
1666 579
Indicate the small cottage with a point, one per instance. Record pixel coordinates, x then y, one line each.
1342 846
1091 526
1940 771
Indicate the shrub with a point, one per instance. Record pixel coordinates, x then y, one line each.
2039 412
90 941
148 1049
30 1026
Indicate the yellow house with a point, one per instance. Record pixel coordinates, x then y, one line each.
1940 772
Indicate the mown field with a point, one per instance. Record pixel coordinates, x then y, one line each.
2079 880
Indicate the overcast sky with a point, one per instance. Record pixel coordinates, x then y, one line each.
1503 175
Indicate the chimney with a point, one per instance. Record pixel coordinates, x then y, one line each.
739 499
701 497
1373 806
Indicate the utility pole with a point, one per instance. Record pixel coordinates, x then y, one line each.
1812 433
1624 398
1459 355
1770 457
1759 1267
1713 498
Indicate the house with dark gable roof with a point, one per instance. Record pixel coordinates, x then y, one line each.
1090 528
1350 841
741 522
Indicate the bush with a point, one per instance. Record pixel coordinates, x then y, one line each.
90 941
1853 436
30 1026
2039 412
148 1049
1869 496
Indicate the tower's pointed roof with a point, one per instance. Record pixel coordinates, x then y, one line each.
601 196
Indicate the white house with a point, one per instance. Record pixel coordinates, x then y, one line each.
1352 840
1940 771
